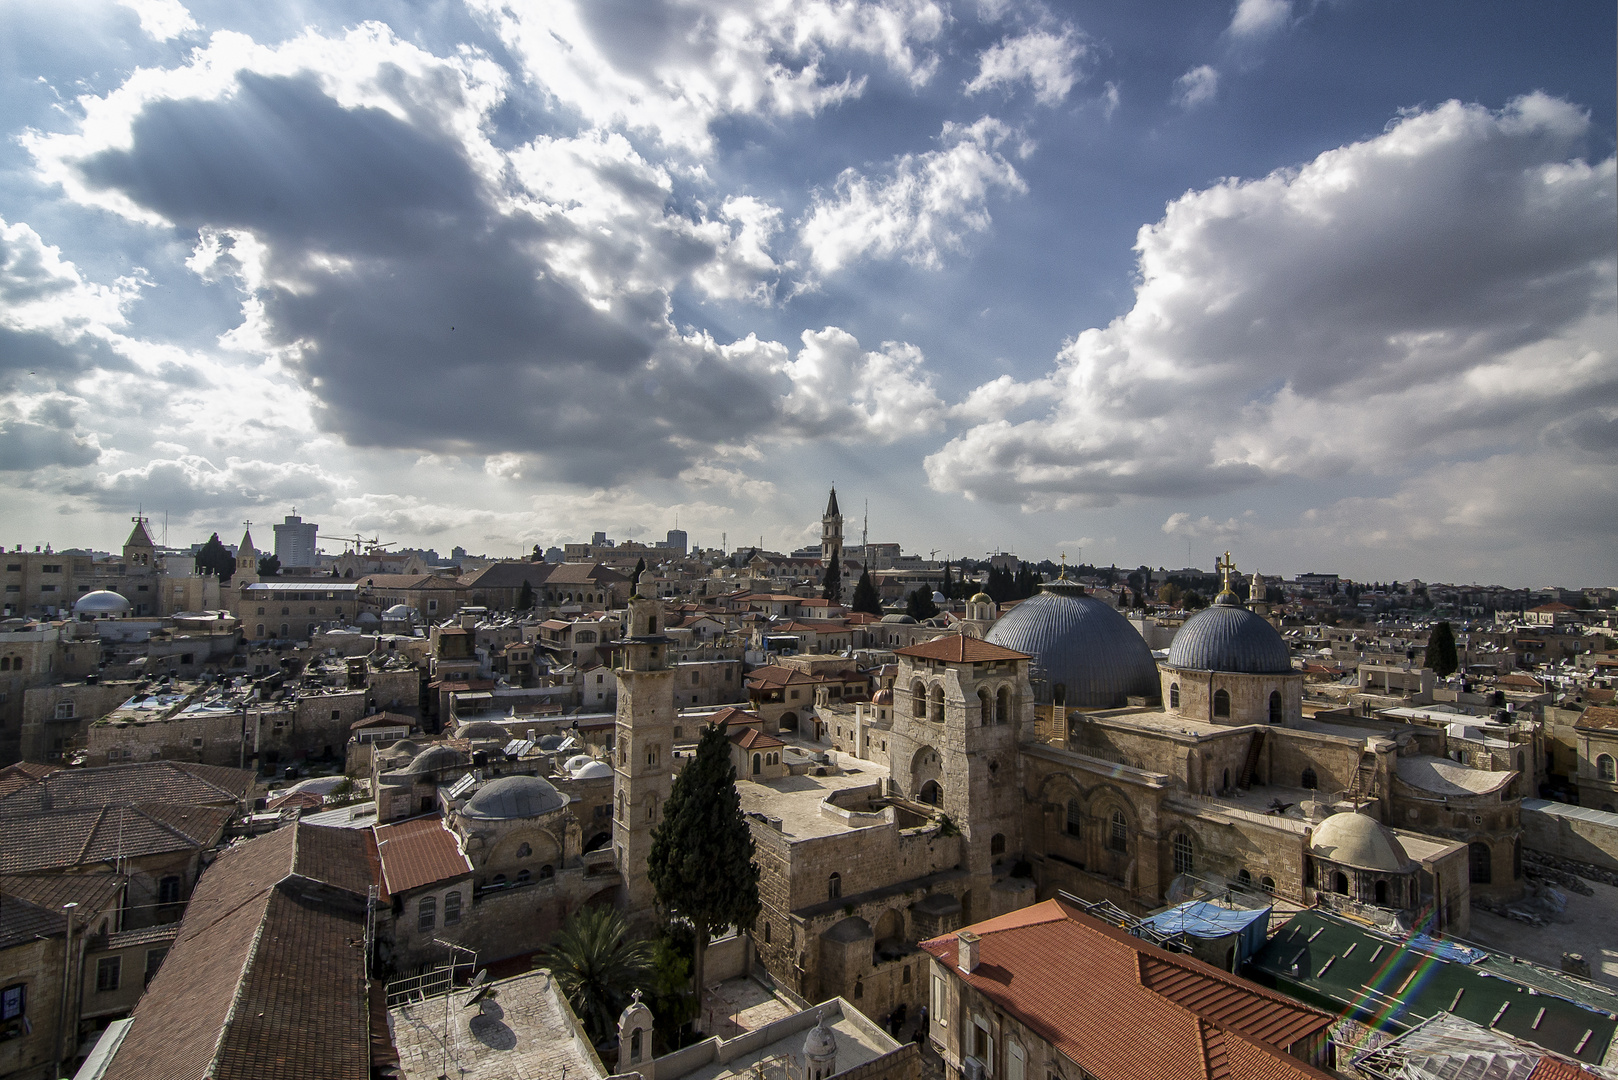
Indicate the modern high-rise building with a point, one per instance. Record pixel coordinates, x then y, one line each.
295 541
678 541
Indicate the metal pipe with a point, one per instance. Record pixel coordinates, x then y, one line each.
67 985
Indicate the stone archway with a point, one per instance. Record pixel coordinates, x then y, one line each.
926 767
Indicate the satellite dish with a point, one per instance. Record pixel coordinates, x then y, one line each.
480 987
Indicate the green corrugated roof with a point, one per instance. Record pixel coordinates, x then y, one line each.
1348 967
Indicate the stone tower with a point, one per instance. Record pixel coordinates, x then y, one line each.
140 552
959 706
642 748
831 532
246 559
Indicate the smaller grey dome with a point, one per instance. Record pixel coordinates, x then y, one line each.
907 620
101 602
820 1043
513 797
1360 841
482 729
1226 637
403 746
434 758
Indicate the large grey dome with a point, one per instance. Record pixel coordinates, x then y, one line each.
101 602
1230 638
1081 644
513 797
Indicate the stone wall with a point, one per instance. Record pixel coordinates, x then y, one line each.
91 701
212 738
1583 835
30 1054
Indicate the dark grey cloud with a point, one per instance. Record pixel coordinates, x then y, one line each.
26 446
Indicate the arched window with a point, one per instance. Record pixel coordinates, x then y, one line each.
1244 878
985 708
634 1046
1309 782
935 699
426 913
1075 818
498 880
1059 695
523 877
1339 883
1482 863
1379 893
766 933
1185 859
1267 883
1118 832
1002 706
547 871
452 909
1225 781
5 663
918 699
834 886
758 761
1174 695
932 793
523 851
1221 702
1275 706
997 844
1606 769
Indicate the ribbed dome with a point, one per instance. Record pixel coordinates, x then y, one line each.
1229 638
981 598
101 602
908 620
1359 841
1081 643
513 797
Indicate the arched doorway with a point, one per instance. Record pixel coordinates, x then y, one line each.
932 793
789 721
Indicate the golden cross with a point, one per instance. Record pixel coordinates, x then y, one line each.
1226 568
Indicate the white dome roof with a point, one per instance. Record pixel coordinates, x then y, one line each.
101 602
1359 841
592 771
398 611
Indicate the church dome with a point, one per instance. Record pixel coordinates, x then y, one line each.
101 602
434 758
981 598
907 620
483 729
513 797
1226 637
1359 841
1080 643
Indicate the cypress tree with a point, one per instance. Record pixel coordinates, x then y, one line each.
831 585
866 598
1441 655
214 559
525 596
948 588
919 604
701 864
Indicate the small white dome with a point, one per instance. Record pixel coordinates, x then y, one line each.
101 602
595 770
399 611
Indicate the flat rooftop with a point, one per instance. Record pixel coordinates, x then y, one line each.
762 1052
796 799
518 1029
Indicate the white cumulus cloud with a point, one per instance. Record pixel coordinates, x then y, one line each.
1047 61
1259 18
1196 86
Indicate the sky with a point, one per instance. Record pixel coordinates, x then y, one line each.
1332 284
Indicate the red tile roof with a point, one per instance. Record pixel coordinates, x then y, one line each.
418 852
730 714
1118 1006
754 739
960 649
1597 718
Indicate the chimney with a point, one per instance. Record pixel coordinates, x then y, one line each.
966 952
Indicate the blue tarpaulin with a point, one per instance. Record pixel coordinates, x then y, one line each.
1447 950
1198 918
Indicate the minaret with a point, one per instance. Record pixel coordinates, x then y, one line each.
246 559
831 532
642 748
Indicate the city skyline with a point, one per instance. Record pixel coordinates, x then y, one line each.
1329 284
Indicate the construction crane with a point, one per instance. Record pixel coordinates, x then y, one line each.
360 542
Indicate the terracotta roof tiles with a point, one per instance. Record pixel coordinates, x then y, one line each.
1118 1006
418 852
960 649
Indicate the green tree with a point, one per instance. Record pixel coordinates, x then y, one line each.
948 588
701 863
866 598
597 964
1194 601
269 565
919 604
831 585
1441 651
1169 593
537 556
673 1002
214 559
525 596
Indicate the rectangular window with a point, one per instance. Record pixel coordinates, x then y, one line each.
52 568
15 568
108 971
336 714
939 1001
154 960
13 1001
168 890
64 710
47 588
13 588
196 743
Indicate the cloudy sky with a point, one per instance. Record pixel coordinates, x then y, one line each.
1330 283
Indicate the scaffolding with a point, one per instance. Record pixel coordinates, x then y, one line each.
1448 1047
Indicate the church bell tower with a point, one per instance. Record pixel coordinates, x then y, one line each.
831 532
643 747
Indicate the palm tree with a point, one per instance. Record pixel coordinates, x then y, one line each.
596 963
